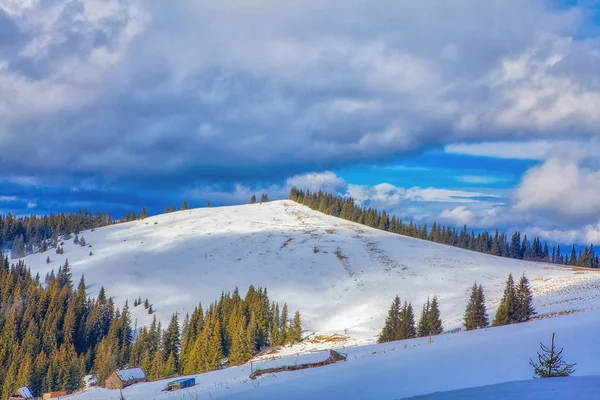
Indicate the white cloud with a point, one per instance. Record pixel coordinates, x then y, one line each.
529 150
458 216
560 187
478 179
444 195
327 181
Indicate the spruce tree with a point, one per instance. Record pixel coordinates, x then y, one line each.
295 332
253 199
507 310
407 322
184 206
470 316
423 327
481 316
392 323
524 301
435 321
475 316
550 363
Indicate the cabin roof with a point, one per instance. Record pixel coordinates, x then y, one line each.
25 392
130 374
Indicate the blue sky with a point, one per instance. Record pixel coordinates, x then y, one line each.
484 113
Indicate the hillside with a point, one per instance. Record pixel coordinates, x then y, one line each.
398 370
341 275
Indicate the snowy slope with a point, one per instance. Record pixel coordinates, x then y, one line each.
414 367
341 275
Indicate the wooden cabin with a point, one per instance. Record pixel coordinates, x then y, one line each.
22 393
125 377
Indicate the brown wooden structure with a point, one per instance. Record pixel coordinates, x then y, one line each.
123 378
22 393
53 395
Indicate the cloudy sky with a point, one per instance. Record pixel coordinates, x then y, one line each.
478 112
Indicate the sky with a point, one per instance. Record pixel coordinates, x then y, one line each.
462 112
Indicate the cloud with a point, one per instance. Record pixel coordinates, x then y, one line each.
263 96
478 179
326 181
560 188
240 193
529 150
458 216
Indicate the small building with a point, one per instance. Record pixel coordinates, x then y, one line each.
181 383
125 377
22 393
53 395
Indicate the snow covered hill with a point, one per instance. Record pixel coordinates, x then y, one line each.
402 369
342 276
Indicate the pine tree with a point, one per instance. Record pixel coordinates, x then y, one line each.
435 321
167 209
550 363
283 328
475 316
184 206
208 204
481 316
470 316
392 323
524 297
253 199
423 327
507 310
295 332
407 322
263 198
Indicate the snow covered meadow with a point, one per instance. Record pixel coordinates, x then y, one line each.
342 276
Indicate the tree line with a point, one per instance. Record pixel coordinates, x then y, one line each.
52 333
494 243
515 306
34 233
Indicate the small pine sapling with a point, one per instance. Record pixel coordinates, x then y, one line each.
550 363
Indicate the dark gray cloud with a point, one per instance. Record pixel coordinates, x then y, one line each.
173 94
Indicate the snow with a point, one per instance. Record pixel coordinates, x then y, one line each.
130 374
413 367
580 388
342 276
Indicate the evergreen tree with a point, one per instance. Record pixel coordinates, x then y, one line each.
295 332
407 322
524 300
475 316
184 206
167 209
550 363
423 328
253 199
392 323
435 321
507 310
